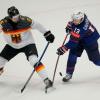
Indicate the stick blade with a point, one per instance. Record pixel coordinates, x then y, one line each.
22 89
60 73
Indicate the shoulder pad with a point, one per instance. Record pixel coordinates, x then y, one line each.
26 18
29 19
3 21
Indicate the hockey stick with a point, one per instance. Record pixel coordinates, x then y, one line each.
34 69
58 60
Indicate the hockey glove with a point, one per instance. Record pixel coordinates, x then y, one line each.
68 29
61 50
49 36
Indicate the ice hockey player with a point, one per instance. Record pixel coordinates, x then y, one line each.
83 36
17 33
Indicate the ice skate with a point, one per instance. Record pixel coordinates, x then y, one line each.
67 78
48 84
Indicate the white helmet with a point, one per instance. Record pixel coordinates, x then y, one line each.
78 16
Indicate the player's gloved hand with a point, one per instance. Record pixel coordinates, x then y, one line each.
68 29
61 50
49 36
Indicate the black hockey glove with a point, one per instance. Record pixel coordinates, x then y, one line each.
61 50
68 30
49 36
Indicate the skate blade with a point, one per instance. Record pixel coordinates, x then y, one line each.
49 90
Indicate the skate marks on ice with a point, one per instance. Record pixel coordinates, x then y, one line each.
12 84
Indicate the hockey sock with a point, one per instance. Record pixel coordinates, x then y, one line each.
40 69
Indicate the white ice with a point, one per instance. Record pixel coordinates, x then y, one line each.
53 14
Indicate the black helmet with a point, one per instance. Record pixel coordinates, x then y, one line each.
12 11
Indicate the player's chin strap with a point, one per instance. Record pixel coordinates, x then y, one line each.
34 69
58 60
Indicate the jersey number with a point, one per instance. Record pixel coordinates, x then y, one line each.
77 30
16 38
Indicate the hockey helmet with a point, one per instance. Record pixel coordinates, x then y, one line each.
13 11
78 17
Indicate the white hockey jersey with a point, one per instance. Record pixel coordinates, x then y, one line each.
23 36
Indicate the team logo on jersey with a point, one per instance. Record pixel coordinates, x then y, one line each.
16 38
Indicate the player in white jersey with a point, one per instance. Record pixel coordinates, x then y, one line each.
17 33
